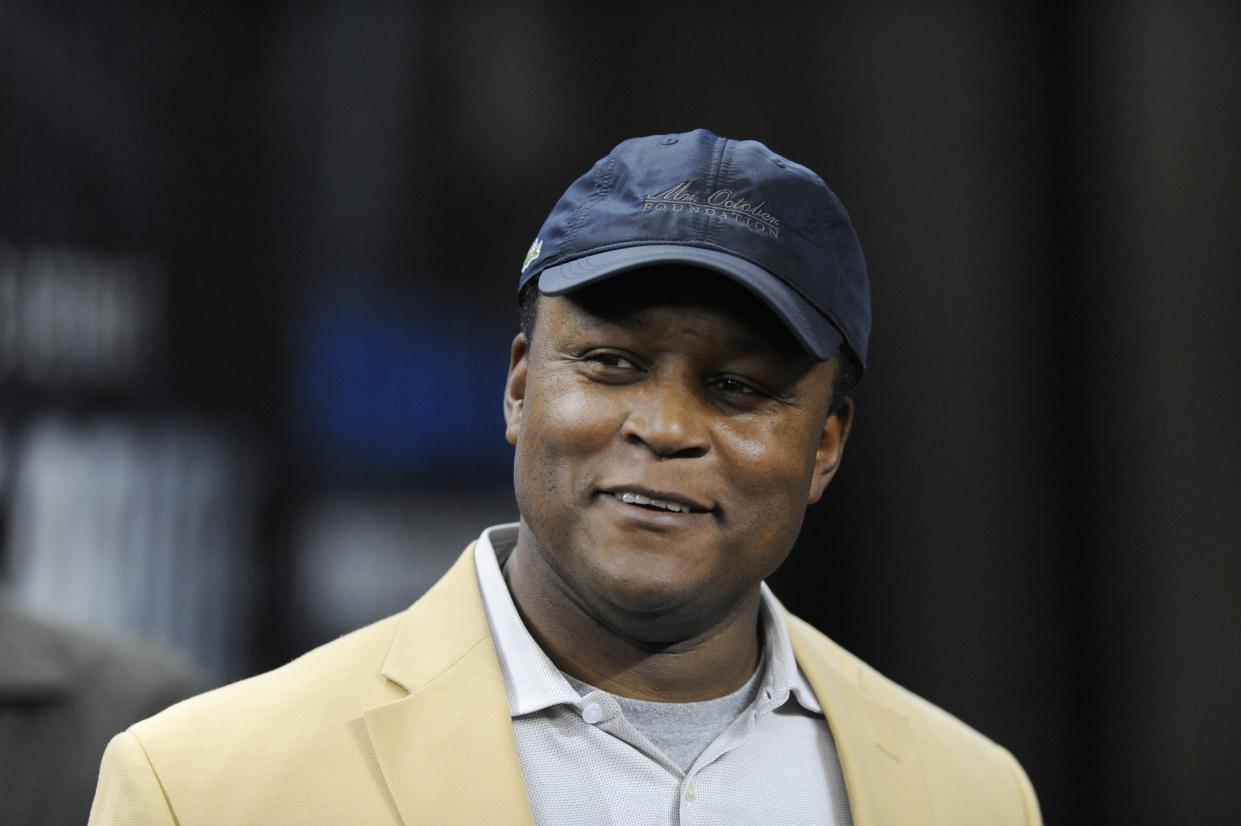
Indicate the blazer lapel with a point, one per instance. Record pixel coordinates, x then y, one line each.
881 765
446 750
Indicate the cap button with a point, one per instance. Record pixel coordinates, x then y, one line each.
669 141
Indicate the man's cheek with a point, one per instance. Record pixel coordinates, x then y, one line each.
580 422
757 462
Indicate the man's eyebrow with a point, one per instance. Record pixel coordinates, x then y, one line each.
593 322
636 323
741 343
783 350
749 344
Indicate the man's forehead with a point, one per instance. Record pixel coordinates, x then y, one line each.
654 296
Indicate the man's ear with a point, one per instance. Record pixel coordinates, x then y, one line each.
831 448
515 388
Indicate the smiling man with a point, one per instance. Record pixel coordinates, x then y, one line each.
695 312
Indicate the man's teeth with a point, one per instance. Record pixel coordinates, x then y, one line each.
662 504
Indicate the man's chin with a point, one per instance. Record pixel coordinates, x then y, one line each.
656 614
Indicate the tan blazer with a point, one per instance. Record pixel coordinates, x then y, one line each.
406 721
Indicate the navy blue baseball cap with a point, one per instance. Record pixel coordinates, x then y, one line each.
734 207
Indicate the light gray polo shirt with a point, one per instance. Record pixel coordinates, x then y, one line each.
584 763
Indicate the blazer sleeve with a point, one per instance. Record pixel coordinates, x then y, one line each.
129 792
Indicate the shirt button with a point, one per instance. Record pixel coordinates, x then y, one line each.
592 713
690 794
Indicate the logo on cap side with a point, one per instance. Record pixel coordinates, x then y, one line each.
723 202
536 249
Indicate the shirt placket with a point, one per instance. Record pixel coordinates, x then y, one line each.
601 711
695 791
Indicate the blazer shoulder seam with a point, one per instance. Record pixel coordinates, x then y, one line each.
154 773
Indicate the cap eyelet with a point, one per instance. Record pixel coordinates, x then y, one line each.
778 162
669 141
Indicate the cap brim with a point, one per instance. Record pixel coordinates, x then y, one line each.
808 325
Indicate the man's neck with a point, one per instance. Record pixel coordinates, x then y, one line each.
711 663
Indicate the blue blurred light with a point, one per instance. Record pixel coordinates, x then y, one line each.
389 390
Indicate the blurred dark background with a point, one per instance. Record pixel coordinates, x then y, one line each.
257 274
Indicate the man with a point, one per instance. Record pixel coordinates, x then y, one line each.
63 694
695 310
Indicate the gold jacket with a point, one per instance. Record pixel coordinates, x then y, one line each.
407 721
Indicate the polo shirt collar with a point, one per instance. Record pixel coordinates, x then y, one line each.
532 680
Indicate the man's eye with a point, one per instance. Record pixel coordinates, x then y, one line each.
612 360
733 387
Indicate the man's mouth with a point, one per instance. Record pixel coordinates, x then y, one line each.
664 502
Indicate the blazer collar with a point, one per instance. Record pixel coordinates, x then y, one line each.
882 768
446 749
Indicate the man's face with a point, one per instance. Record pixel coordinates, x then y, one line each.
673 385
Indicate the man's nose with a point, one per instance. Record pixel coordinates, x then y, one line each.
668 415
